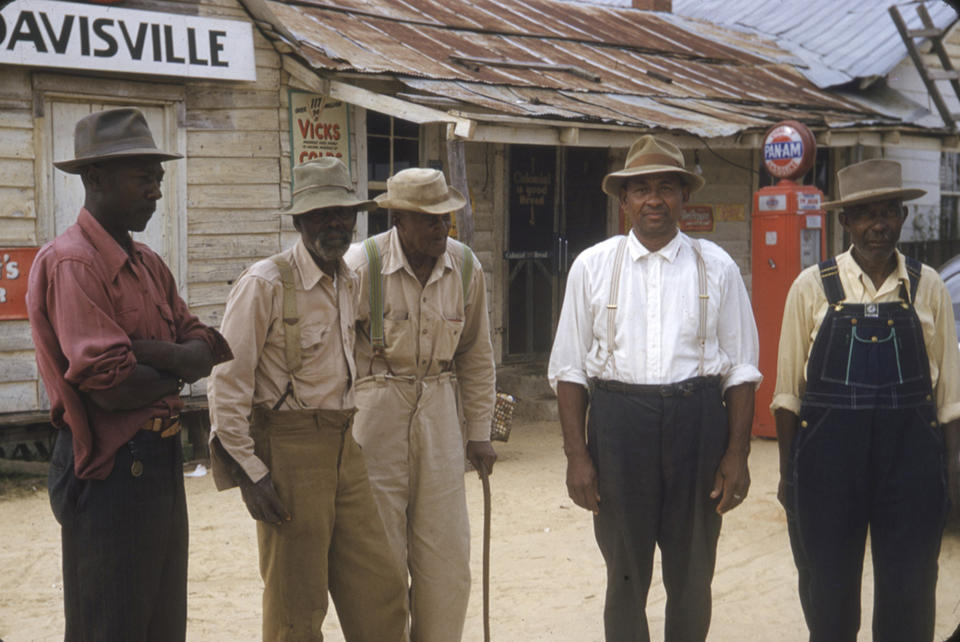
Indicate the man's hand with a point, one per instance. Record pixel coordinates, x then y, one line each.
732 481
263 502
481 455
582 481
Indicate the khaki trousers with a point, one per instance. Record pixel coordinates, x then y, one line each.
335 540
414 450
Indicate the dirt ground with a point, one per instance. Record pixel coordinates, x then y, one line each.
547 575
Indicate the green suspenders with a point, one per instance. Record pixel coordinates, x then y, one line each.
376 289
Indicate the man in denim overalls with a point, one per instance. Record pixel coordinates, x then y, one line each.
868 419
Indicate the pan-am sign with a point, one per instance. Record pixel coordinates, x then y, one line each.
69 35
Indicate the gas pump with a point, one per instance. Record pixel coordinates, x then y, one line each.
788 234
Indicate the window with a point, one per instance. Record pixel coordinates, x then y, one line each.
949 195
392 145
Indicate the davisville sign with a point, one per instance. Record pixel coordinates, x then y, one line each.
68 35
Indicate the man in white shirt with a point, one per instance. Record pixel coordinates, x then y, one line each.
657 333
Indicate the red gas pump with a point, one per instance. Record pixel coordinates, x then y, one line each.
788 235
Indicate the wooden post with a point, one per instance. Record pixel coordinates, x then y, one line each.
457 174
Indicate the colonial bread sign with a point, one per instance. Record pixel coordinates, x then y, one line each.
69 35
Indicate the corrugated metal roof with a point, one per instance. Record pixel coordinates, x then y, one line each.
837 40
615 66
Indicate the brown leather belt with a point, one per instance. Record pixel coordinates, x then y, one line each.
166 426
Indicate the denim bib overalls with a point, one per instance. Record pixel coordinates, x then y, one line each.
869 452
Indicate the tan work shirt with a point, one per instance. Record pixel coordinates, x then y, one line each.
258 376
807 305
428 329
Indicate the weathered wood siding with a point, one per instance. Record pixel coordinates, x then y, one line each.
236 180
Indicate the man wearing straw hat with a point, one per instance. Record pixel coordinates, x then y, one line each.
422 330
657 335
281 415
867 407
115 344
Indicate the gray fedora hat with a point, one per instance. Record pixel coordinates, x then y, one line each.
420 189
114 133
324 182
651 155
870 181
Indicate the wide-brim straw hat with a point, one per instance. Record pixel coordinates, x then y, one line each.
419 189
114 133
870 181
650 155
324 182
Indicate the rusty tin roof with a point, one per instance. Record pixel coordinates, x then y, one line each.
538 59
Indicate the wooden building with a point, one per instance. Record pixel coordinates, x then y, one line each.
526 104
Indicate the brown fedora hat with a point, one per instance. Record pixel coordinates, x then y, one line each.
419 189
650 155
114 133
324 182
870 181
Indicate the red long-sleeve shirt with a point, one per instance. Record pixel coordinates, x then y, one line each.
87 299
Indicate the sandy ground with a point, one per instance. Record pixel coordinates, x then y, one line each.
547 575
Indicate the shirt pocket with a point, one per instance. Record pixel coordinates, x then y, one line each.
313 339
129 321
446 342
400 342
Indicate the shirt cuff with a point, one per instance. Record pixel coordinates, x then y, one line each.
218 345
478 430
948 413
570 376
743 373
786 401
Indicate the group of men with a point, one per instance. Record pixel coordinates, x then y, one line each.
333 397
340 373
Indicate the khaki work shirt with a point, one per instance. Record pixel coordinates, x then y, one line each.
428 329
807 305
258 376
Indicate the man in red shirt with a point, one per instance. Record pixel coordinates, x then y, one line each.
115 344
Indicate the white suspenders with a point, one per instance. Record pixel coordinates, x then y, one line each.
615 291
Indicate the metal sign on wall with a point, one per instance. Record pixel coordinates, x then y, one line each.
318 127
14 267
69 35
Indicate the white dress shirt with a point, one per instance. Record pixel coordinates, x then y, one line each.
657 317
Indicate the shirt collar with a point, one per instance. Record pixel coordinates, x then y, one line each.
668 252
892 282
395 259
310 272
106 246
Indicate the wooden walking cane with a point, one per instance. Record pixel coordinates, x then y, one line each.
486 553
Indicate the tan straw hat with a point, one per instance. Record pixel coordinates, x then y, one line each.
419 189
870 181
114 133
324 182
650 155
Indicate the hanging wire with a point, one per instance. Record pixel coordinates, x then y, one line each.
725 159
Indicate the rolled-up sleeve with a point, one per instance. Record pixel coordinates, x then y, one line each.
737 331
246 321
474 362
574 336
97 349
